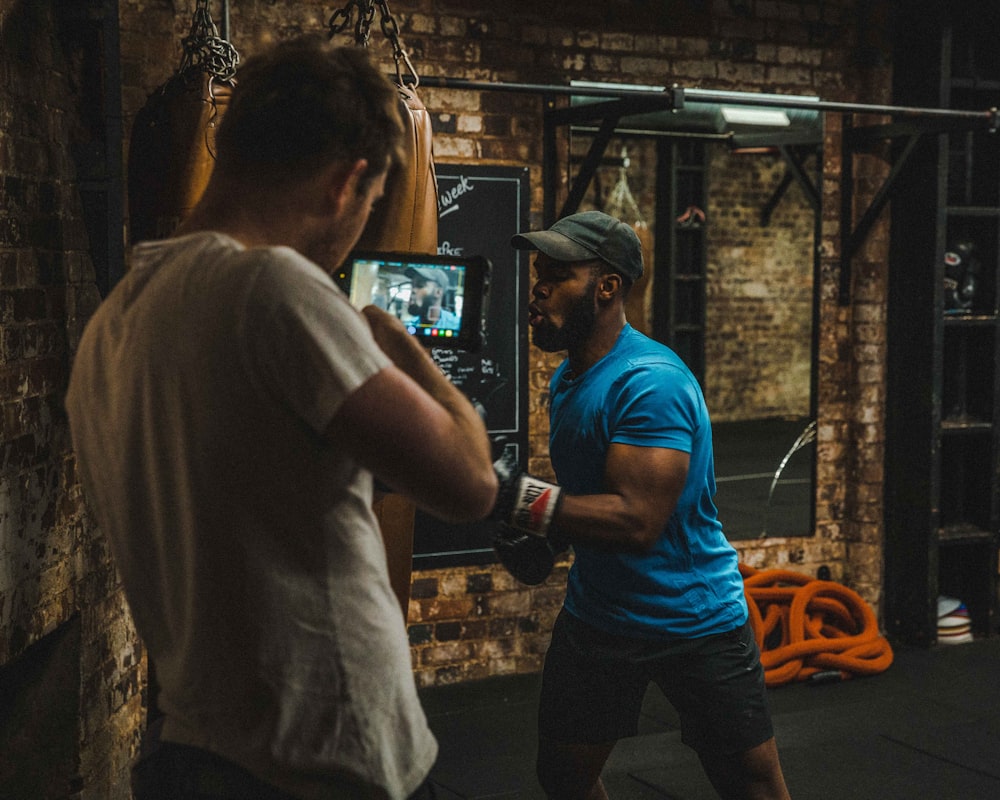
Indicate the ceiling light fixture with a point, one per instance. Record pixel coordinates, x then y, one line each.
773 118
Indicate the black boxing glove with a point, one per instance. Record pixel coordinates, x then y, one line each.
526 503
526 508
528 558
961 275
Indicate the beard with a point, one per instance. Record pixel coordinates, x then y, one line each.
422 309
576 329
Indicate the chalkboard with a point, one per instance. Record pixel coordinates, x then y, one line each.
480 207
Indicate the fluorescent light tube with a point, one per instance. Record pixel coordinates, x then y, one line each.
734 115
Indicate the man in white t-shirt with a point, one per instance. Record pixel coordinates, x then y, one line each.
230 411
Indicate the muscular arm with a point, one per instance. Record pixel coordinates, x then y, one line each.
416 432
642 486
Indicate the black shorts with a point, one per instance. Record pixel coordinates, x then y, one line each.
594 683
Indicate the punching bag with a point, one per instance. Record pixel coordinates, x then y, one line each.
172 152
406 218
172 148
622 205
639 303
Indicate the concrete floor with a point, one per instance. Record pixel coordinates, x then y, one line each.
928 728
747 457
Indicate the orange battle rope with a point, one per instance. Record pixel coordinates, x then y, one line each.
807 627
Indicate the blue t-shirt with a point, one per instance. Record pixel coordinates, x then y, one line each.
448 319
689 584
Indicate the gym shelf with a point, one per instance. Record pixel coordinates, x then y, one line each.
942 431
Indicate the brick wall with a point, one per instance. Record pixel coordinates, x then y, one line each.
55 570
851 435
473 623
800 48
758 348
468 622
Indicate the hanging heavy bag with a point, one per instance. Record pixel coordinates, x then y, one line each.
406 218
172 152
622 205
172 149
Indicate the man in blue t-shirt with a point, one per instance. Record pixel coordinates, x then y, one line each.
655 592
428 297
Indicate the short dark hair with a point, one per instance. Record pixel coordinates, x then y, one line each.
304 104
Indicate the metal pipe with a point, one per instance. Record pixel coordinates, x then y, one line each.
677 96
777 101
528 88
224 27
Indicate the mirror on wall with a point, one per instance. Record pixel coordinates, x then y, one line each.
732 234
760 309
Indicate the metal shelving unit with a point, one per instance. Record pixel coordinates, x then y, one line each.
679 292
943 429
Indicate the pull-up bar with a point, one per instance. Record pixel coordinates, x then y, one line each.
618 101
675 97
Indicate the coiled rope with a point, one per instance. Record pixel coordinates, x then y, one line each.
807 627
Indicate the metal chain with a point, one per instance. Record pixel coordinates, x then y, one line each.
390 28
204 50
341 19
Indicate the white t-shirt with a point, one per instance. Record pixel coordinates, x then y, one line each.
250 556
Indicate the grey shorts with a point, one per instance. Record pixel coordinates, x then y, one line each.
170 771
594 682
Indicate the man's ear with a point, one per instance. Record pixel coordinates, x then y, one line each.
344 181
609 286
